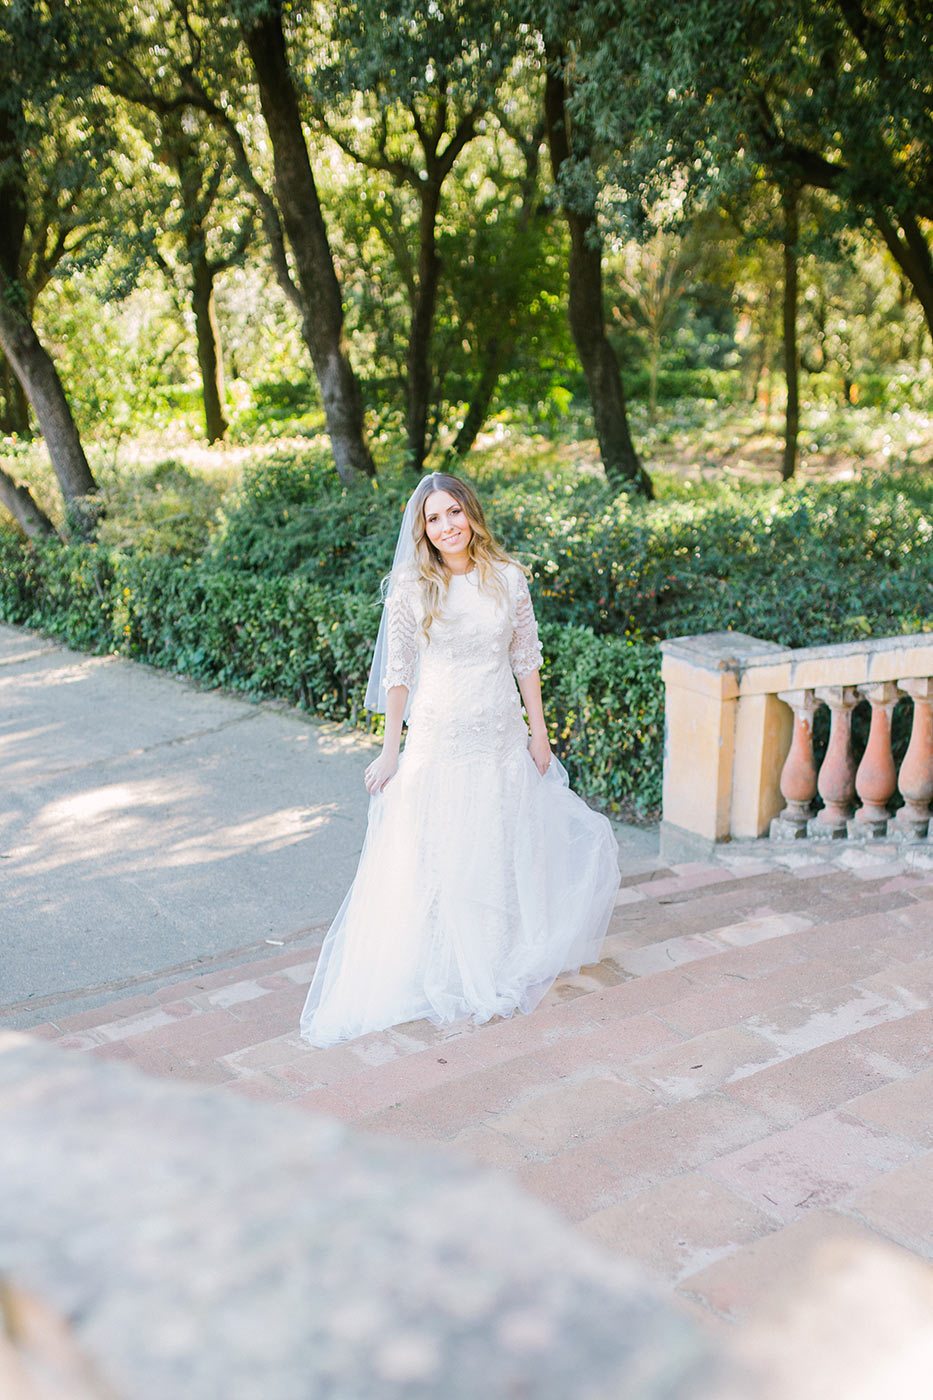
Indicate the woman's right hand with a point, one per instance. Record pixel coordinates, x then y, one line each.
381 771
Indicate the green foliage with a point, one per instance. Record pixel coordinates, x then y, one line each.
311 645
292 515
167 509
604 703
717 557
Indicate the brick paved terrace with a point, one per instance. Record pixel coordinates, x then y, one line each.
747 1072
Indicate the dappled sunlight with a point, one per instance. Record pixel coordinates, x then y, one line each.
105 802
152 824
12 735
270 832
113 820
68 673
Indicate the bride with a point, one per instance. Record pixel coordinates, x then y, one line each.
482 876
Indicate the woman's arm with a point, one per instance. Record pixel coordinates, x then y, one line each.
538 747
385 767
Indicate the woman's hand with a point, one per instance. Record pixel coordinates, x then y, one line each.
540 750
381 771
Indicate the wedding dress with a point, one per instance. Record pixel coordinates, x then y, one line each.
479 880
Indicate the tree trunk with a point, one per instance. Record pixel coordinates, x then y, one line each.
210 360
587 313
496 354
791 357
911 252
30 362
36 372
15 416
422 324
18 500
654 369
296 192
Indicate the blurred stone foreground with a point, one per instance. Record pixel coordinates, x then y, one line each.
158 1240
204 1247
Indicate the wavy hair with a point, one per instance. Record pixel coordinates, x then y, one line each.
483 549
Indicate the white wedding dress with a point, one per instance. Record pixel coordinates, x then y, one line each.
479 880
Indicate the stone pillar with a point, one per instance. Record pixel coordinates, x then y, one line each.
798 776
836 782
722 751
699 738
876 778
763 728
915 779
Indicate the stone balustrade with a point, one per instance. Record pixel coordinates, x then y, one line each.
739 757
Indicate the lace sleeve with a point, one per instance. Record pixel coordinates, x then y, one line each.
524 648
402 639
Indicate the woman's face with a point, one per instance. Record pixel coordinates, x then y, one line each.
447 527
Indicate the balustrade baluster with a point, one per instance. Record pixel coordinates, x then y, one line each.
798 776
876 778
915 779
836 781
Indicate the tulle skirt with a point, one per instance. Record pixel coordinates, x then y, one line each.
479 882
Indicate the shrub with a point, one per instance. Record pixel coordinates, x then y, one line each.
604 703
291 515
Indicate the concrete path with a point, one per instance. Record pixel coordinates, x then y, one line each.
146 825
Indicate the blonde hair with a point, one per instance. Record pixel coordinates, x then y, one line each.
484 550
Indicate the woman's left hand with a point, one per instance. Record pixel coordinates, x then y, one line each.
540 750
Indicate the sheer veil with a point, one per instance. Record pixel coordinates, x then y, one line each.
404 554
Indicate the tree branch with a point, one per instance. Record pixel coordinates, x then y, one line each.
463 133
402 172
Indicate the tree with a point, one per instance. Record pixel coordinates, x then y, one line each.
198 218
505 307
571 145
653 278
403 93
499 299
834 95
170 56
34 118
303 220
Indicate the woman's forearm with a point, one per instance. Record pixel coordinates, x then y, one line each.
530 687
396 700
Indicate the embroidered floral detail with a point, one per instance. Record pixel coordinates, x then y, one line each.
465 701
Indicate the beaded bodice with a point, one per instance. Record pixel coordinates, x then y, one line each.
462 675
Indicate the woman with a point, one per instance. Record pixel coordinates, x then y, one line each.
482 876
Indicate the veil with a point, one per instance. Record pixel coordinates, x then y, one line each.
404 554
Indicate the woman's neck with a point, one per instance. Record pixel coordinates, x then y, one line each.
461 566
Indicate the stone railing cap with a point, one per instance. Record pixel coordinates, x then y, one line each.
720 651
737 651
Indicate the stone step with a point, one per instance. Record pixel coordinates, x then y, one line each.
751 1059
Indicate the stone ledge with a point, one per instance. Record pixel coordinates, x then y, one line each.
760 667
204 1246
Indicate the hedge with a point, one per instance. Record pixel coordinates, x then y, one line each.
307 643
